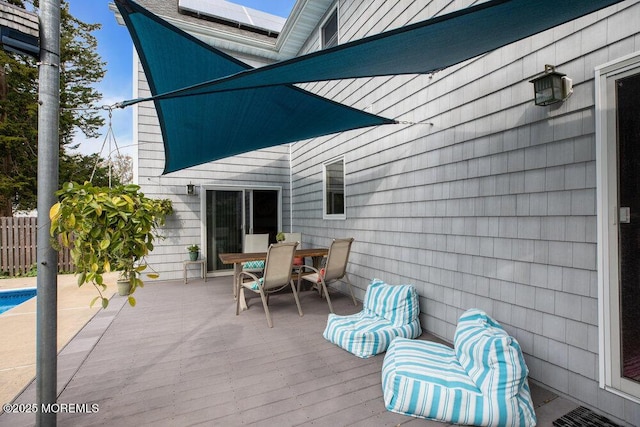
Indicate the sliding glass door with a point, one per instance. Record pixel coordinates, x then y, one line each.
232 212
263 215
224 225
627 91
618 156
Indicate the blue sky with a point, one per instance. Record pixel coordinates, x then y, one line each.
116 49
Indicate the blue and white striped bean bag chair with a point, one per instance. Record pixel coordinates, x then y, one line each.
388 312
482 381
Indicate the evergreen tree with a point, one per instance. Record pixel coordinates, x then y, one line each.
121 168
80 68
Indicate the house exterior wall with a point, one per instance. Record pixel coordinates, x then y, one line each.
489 201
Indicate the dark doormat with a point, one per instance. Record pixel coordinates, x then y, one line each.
583 417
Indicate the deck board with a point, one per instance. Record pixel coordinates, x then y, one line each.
183 357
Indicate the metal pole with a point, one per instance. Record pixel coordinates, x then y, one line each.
48 160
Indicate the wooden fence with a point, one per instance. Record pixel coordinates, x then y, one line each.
18 247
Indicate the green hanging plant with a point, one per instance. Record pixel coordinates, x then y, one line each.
107 229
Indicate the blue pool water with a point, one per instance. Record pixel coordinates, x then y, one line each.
12 297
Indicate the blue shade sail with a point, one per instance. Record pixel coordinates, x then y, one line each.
200 128
423 47
212 106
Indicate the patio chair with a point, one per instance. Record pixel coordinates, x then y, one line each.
277 276
481 381
255 243
388 311
335 269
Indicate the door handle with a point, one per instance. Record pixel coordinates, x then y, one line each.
625 215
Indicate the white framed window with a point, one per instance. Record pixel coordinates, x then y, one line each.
334 189
617 108
329 30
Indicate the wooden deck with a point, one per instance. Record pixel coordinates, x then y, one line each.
182 357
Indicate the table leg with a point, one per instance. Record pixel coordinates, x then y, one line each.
243 301
237 269
236 272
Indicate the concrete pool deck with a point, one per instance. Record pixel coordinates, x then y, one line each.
18 328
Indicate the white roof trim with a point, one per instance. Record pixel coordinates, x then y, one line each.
302 21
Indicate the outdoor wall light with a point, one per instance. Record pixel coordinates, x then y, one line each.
191 189
551 87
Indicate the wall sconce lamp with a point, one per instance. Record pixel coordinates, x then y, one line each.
551 87
191 189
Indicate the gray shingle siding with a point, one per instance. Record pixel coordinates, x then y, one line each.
493 205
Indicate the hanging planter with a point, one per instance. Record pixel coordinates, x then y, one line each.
124 287
107 229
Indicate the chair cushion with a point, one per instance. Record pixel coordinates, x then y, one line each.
255 285
365 334
399 304
424 379
491 358
253 265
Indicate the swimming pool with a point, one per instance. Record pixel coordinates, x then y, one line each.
12 297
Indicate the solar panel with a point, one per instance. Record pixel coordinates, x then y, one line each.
235 13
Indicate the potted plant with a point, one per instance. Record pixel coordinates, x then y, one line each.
194 252
280 237
107 229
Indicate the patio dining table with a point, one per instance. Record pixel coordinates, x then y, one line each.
237 259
